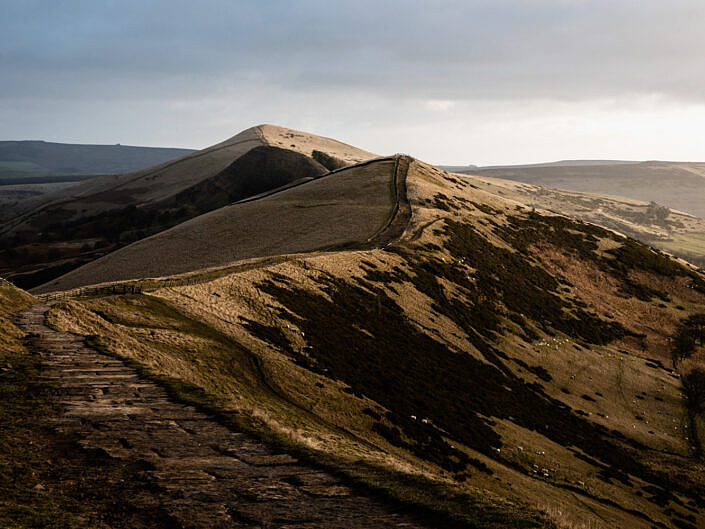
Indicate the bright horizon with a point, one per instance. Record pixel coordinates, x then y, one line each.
451 83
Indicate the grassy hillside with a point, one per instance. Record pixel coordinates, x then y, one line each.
337 210
43 238
12 301
677 185
677 232
497 363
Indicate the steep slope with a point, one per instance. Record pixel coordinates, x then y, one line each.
494 362
677 185
342 208
47 238
680 233
12 301
167 179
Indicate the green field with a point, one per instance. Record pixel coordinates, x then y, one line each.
688 242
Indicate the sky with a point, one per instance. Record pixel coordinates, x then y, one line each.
450 82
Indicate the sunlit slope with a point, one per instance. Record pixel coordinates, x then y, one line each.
345 207
167 179
678 232
12 301
678 185
47 237
511 360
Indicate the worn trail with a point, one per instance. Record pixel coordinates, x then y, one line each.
197 472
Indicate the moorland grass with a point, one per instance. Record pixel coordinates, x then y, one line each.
437 502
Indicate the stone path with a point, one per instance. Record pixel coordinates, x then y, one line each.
200 473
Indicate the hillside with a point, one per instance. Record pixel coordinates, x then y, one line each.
35 169
498 363
44 238
560 163
679 233
43 158
12 301
678 185
340 209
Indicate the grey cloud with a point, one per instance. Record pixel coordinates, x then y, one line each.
446 49
384 75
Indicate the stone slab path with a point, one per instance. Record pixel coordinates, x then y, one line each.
200 473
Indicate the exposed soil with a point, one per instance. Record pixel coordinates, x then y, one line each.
170 459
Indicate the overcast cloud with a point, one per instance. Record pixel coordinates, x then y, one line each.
448 81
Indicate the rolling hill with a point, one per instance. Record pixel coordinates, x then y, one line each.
34 169
335 210
679 233
52 235
678 185
489 360
32 159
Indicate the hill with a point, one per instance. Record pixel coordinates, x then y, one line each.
501 364
678 185
43 158
34 169
48 237
560 163
679 233
342 208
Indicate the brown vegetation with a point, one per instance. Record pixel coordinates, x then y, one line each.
109 212
494 351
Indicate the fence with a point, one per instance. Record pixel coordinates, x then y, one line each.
145 285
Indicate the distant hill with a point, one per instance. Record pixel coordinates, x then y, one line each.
680 233
678 185
560 163
457 168
44 237
32 159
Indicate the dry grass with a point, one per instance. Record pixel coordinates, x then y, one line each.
12 301
306 143
600 291
338 210
248 340
677 185
565 520
680 233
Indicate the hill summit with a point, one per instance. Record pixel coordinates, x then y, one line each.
85 221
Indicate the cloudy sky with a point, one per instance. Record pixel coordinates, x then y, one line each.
454 82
